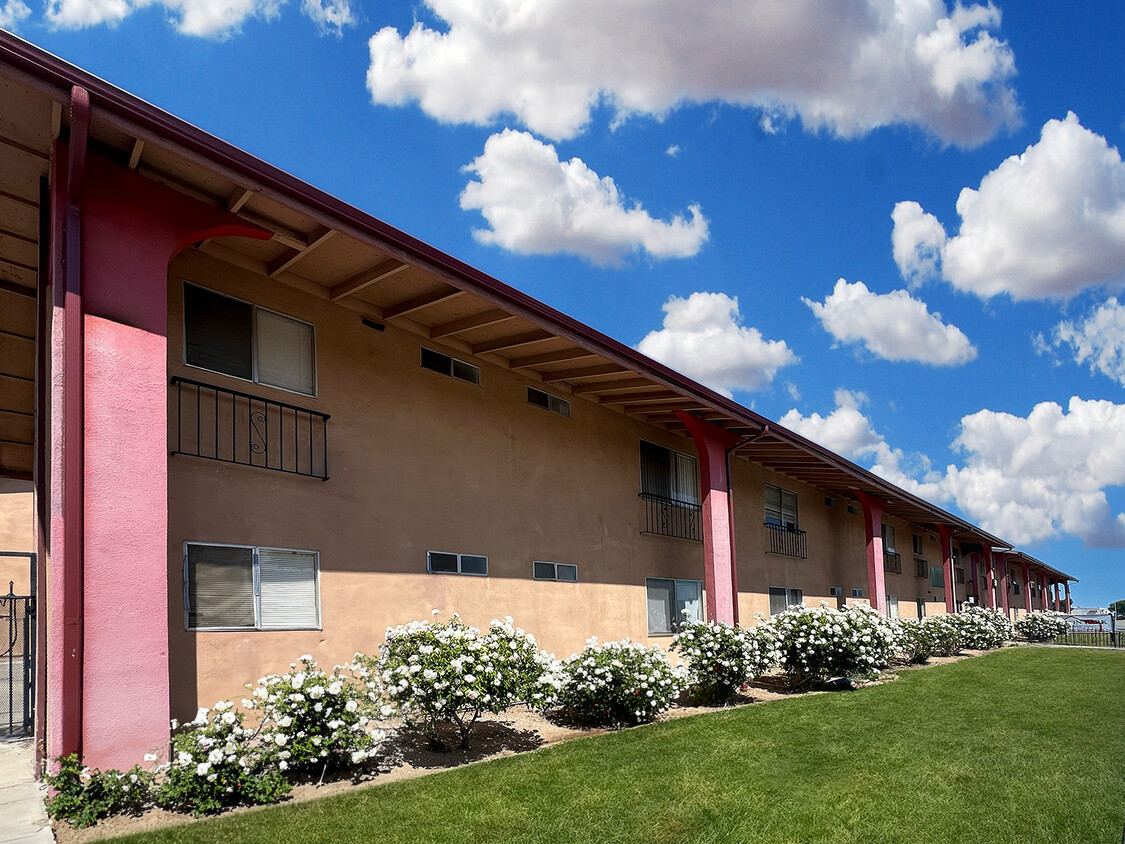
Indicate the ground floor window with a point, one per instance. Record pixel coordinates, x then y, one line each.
921 608
564 572
892 606
781 598
235 587
670 602
443 562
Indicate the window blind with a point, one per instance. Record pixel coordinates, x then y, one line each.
285 353
220 586
287 588
217 333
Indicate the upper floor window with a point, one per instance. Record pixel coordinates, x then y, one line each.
669 474
437 362
917 539
781 507
543 399
888 539
243 587
236 338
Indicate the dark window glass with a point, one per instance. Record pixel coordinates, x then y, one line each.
473 565
218 333
466 372
544 571
436 361
443 563
566 573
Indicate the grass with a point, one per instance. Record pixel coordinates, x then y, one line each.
1023 745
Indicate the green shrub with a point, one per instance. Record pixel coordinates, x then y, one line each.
815 643
312 718
721 657
617 683
218 763
83 796
449 674
1041 626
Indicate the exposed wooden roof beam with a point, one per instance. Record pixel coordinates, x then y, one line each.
17 264
646 409
17 236
135 153
560 356
512 341
286 261
613 386
30 203
584 372
18 289
642 398
8 142
358 282
425 300
237 199
468 323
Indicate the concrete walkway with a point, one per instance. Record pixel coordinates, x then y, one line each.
22 818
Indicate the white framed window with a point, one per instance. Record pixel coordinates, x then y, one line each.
892 606
669 474
781 507
562 572
669 602
444 364
889 539
781 598
545 400
242 587
446 562
232 337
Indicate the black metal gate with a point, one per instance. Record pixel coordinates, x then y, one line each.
17 663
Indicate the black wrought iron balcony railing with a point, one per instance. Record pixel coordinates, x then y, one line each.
787 541
669 517
892 562
234 427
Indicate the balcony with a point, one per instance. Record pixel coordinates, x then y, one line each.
892 562
787 541
669 517
233 427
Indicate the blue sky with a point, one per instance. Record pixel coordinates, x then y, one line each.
894 225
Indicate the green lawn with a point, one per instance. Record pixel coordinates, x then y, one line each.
1023 745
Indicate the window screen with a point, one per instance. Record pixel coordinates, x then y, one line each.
669 474
245 587
285 353
218 333
659 594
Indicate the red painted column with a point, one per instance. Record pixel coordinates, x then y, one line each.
1043 589
1002 562
1055 594
1026 588
873 531
945 535
1066 603
720 576
131 228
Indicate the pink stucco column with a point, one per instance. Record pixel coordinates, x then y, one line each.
1002 562
945 535
720 576
873 532
1055 595
1044 588
1066 602
1026 588
131 228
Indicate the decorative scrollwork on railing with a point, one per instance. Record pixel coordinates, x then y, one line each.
669 517
234 427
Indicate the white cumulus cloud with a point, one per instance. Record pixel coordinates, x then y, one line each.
1031 478
11 13
1024 479
203 18
536 204
843 66
703 337
1046 224
894 326
1098 340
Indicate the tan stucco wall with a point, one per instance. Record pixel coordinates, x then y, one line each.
17 533
421 461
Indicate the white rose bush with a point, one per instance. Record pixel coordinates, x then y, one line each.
945 634
720 657
815 643
617 683
983 629
917 642
312 718
1041 626
217 762
448 674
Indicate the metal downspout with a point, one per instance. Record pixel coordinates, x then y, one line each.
73 423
